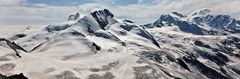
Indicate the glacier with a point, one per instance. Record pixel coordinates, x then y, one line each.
101 46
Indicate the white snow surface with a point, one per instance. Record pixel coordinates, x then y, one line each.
126 51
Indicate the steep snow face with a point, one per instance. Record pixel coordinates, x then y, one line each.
209 53
175 19
95 44
201 12
100 46
220 22
223 22
199 22
98 25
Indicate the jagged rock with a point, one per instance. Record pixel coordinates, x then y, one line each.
219 21
13 46
178 14
17 36
183 64
74 17
200 43
98 48
17 76
2 76
101 17
158 23
52 28
190 28
127 20
237 45
209 72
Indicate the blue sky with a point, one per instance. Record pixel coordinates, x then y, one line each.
59 2
79 2
45 12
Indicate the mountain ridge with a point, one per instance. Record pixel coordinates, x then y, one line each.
201 21
101 46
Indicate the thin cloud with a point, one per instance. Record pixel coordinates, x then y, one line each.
11 2
140 1
19 12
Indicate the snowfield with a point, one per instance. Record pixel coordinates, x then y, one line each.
100 46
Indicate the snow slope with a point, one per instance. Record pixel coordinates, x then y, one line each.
100 46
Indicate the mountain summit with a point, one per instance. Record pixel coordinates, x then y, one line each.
200 12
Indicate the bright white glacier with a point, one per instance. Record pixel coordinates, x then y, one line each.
100 46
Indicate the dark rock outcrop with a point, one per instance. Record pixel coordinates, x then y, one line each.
101 17
53 28
13 46
209 72
98 48
74 17
201 44
17 36
183 64
17 76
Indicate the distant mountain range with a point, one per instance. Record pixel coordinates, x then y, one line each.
200 22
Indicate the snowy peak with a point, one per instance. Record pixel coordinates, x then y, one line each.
171 17
219 22
94 21
74 17
98 25
177 19
102 17
200 12
199 20
102 13
177 14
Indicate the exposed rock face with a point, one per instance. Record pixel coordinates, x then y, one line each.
17 76
13 46
178 14
17 36
102 16
74 17
200 43
52 28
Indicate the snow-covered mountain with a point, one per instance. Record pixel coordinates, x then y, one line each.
199 22
101 46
